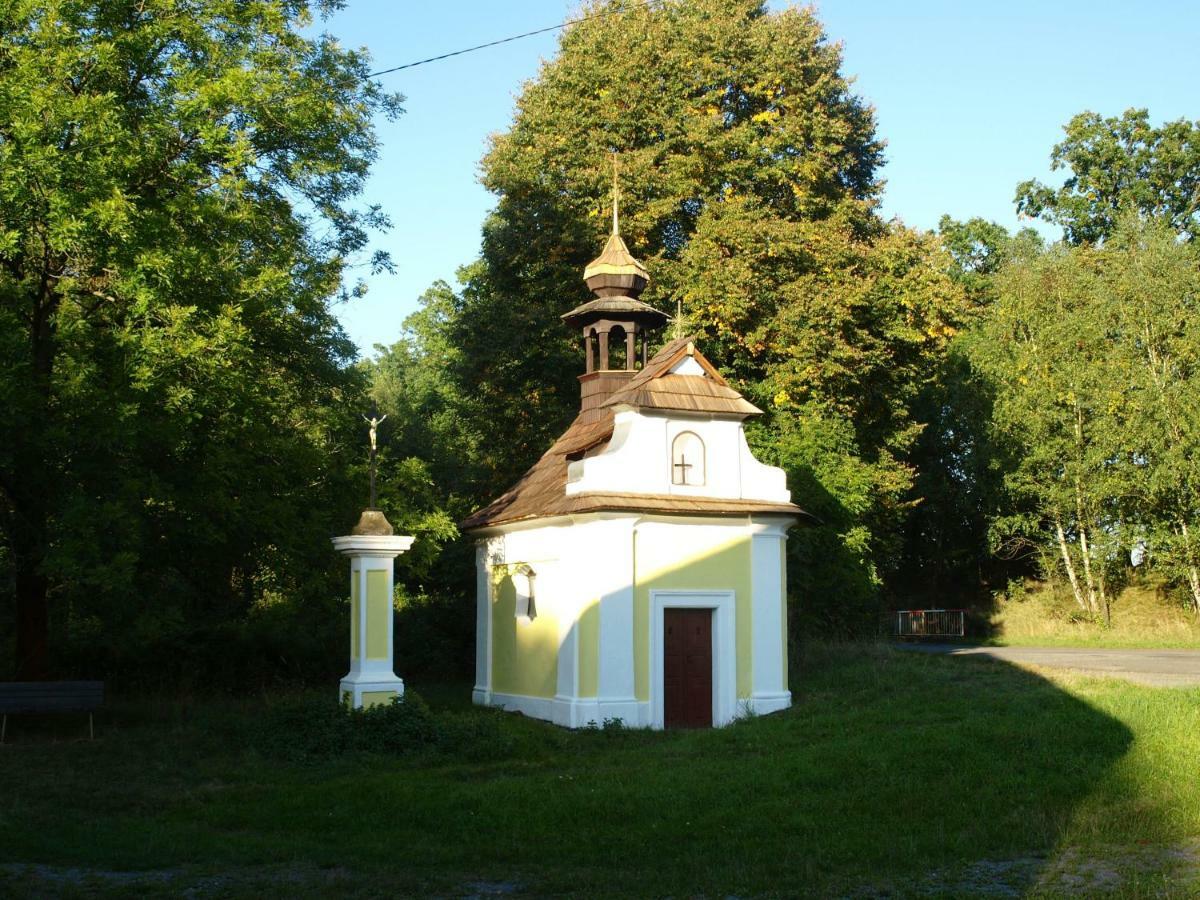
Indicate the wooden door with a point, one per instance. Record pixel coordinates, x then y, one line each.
687 668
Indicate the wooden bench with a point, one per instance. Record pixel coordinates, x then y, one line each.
50 696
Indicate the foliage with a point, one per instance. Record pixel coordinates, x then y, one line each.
177 186
310 730
747 173
1091 354
979 249
946 559
1118 164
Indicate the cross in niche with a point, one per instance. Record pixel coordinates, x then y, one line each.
683 465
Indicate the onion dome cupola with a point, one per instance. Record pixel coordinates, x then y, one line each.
614 325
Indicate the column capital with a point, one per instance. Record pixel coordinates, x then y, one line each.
389 546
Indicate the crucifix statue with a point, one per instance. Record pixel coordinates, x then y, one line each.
374 422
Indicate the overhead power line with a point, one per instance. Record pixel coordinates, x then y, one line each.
515 37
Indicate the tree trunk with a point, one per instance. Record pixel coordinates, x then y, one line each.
27 542
1069 565
33 617
1086 551
1105 600
30 486
1193 574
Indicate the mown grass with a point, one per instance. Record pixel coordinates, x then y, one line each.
1045 614
889 768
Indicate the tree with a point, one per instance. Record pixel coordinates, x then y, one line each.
176 211
747 173
1118 163
1152 286
1091 353
947 558
979 249
1044 348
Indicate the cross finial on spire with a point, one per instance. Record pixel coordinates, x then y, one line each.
678 318
616 195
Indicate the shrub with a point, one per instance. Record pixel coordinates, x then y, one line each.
311 729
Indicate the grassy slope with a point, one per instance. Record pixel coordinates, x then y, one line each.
1046 615
889 766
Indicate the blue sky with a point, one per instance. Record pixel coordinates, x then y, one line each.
969 96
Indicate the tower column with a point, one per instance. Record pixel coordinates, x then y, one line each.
371 679
604 351
631 348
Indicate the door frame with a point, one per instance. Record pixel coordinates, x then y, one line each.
724 652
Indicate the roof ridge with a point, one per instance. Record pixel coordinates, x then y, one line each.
634 393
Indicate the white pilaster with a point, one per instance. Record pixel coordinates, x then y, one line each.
767 543
482 694
613 543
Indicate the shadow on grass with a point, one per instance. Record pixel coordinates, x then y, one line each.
890 767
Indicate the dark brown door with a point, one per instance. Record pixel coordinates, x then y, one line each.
687 668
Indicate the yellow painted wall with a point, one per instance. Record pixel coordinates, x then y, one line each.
589 649
524 653
377 698
660 565
378 605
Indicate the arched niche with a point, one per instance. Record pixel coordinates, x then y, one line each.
687 459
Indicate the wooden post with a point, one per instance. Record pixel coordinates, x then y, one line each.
604 351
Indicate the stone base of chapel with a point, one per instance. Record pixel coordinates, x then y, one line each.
583 712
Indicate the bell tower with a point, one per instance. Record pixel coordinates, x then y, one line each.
614 325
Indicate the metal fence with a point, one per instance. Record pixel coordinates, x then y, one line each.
927 622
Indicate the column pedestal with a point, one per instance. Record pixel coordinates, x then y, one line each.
371 680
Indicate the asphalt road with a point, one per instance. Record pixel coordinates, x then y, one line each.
1160 668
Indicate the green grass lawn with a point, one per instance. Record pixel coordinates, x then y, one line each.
893 774
1097 639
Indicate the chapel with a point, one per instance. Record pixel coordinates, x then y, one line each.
637 571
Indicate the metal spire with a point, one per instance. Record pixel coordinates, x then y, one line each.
616 196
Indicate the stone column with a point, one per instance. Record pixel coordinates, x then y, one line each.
372 549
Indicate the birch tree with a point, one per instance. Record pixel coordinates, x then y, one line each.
1152 284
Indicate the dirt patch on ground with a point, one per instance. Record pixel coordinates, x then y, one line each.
1143 871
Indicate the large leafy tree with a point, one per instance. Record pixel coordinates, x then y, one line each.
748 183
1115 163
703 102
177 186
959 464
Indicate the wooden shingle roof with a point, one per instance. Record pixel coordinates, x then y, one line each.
542 491
654 387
